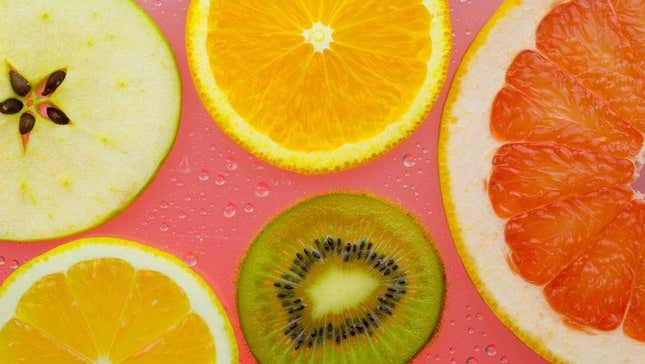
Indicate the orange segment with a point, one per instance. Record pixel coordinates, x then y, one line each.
21 343
50 307
526 176
585 38
545 240
188 342
594 290
631 16
542 103
101 287
155 304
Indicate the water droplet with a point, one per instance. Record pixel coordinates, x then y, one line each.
14 264
230 164
164 227
451 350
203 212
503 360
190 259
409 161
262 190
468 307
453 361
437 357
2 260
184 166
164 204
182 215
491 350
472 360
249 208
479 316
469 317
477 348
452 322
471 330
220 180
230 210
203 175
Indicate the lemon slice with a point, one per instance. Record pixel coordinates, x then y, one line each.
106 300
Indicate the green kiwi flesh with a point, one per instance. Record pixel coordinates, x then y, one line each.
340 278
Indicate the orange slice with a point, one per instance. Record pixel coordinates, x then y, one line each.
546 113
318 86
104 300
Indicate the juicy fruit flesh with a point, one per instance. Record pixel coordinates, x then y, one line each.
337 290
121 92
573 112
104 309
399 287
342 71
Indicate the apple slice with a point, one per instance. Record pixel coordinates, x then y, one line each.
90 101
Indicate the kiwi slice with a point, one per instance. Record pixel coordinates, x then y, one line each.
340 278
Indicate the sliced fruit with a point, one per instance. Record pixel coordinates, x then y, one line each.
106 300
93 124
586 39
546 111
317 87
340 278
594 290
545 240
542 103
527 175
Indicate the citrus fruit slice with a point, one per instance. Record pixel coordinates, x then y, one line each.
541 143
318 86
106 300
89 107
340 278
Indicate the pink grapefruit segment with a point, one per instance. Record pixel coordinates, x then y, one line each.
541 102
529 175
543 241
586 38
594 290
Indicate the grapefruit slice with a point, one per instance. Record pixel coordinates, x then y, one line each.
541 137
86 117
318 86
106 300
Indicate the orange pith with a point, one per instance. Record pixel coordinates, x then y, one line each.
574 112
105 309
307 100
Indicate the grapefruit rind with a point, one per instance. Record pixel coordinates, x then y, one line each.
202 299
344 157
466 149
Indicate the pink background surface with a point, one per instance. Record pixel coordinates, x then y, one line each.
211 198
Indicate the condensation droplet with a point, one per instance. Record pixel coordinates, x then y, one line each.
503 360
469 317
249 208
452 322
437 357
479 316
14 264
262 190
477 348
182 215
230 210
164 204
2 260
472 360
190 259
491 350
453 361
220 180
230 164
409 161
164 227
203 175
184 166
451 350
471 330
